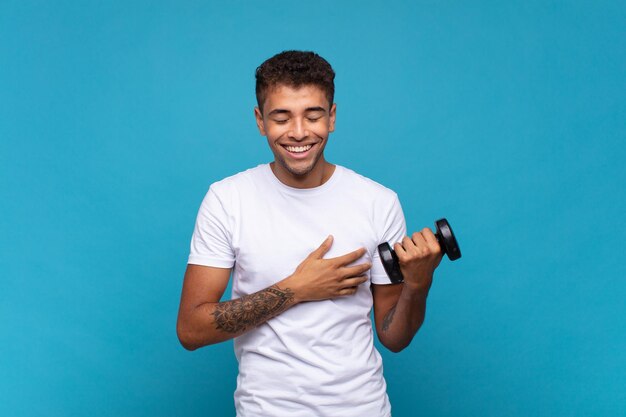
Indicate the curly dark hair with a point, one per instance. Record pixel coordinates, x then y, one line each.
294 69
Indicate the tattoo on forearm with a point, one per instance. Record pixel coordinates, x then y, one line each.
249 311
388 318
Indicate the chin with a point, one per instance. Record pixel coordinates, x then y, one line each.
298 171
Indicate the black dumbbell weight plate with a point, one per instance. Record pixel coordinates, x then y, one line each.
390 262
446 239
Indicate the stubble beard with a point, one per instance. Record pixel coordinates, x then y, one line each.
298 172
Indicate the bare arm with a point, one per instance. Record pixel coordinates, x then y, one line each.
204 320
399 312
400 309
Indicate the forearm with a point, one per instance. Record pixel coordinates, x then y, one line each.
203 321
404 319
210 323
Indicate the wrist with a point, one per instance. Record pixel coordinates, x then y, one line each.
415 290
289 283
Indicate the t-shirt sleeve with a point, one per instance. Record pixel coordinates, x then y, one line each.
393 230
211 240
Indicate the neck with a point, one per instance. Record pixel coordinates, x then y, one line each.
314 178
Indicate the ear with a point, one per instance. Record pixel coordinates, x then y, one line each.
259 121
331 116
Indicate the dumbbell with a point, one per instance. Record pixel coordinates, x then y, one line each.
447 242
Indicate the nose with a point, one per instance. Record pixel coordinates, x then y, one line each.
298 131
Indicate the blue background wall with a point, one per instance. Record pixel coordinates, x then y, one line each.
506 117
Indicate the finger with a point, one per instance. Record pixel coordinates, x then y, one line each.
418 239
354 282
431 240
400 251
323 248
347 291
421 247
348 258
355 270
409 246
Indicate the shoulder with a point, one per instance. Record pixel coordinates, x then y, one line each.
232 190
363 184
239 182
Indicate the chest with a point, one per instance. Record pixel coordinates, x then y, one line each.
272 236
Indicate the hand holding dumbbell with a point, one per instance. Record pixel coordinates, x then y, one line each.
445 238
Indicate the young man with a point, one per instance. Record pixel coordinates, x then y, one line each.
299 236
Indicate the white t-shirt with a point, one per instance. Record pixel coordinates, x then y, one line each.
316 358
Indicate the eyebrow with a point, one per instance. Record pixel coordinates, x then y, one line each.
307 110
278 111
318 108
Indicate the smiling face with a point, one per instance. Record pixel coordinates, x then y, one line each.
297 123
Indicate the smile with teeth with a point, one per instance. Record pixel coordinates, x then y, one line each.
298 149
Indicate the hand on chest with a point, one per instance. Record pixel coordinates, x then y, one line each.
272 243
